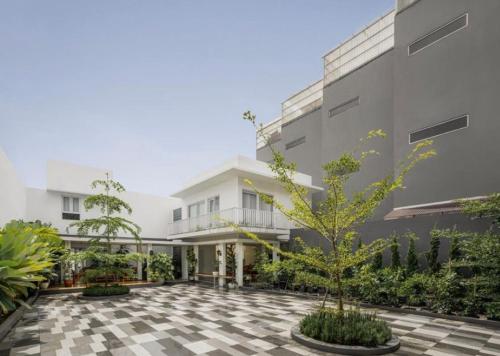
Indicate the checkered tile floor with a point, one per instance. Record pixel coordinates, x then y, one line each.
191 320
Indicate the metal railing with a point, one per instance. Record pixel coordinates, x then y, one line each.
367 44
302 102
240 216
269 132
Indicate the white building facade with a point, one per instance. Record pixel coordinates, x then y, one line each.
198 216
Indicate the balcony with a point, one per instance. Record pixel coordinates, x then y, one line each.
217 222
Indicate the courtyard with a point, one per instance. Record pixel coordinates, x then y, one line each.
192 320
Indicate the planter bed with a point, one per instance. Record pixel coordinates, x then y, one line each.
11 320
80 289
391 346
407 310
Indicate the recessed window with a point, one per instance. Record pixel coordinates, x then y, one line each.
440 129
70 208
213 204
439 34
177 214
295 143
343 107
196 209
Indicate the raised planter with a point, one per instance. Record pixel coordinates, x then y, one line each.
104 297
8 324
391 346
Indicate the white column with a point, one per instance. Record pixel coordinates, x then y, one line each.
239 254
222 263
197 267
184 263
139 265
276 257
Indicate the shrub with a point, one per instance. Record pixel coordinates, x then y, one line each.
433 253
447 291
160 266
348 328
411 257
377 262
380 287
493 310
102 291
395 258
414 289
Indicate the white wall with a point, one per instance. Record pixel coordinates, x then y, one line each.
72 178
12 192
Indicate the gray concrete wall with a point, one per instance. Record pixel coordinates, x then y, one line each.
206 258
458 75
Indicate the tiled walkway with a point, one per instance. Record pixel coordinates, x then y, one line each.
189 320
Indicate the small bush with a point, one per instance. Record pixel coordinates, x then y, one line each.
348 328
101 291
493 310
414 289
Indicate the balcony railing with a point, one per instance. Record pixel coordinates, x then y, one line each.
249 218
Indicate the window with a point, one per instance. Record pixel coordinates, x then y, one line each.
70 208
439 129
295 143
213 204
343 107
249 200
439 34
177 214
263 206
196 209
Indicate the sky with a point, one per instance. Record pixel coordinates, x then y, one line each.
155 90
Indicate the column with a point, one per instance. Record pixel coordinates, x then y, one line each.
139 265
64 268
239 254
222 263
276 256
184 263
197 267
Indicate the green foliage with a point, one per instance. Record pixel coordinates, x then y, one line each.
338 216
488 208
100 291
348 328
433 254
493 310
107 226
414 289
263 267
231 264
446 292
25 254
380 287
378 261
454 248
395 258
411 257
160 266
192 261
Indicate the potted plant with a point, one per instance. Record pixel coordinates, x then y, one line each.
231 266
68 280
192 262
48 274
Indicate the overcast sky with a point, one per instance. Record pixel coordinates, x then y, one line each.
154 90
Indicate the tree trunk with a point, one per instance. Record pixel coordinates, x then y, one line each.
324 298
340 296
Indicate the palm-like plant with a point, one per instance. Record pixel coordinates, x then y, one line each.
24 255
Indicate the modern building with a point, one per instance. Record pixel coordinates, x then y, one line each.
426 70
198 216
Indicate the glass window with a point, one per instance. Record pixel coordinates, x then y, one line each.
249 200
213 204
196 209
76 205
265 206
66 204
177 214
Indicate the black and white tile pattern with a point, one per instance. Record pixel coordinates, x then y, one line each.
191 320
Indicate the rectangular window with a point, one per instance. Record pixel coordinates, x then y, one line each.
439 34
213 204
70 208
249 200
196 209
343 107
263 206
295 143
177 214
439 129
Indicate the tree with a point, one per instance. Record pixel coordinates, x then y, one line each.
337 217
433 253
395 258
411 257
378 261
107 226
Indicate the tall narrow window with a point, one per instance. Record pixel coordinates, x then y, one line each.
213 204
196 209
76 205
249 200
177 214
66 203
